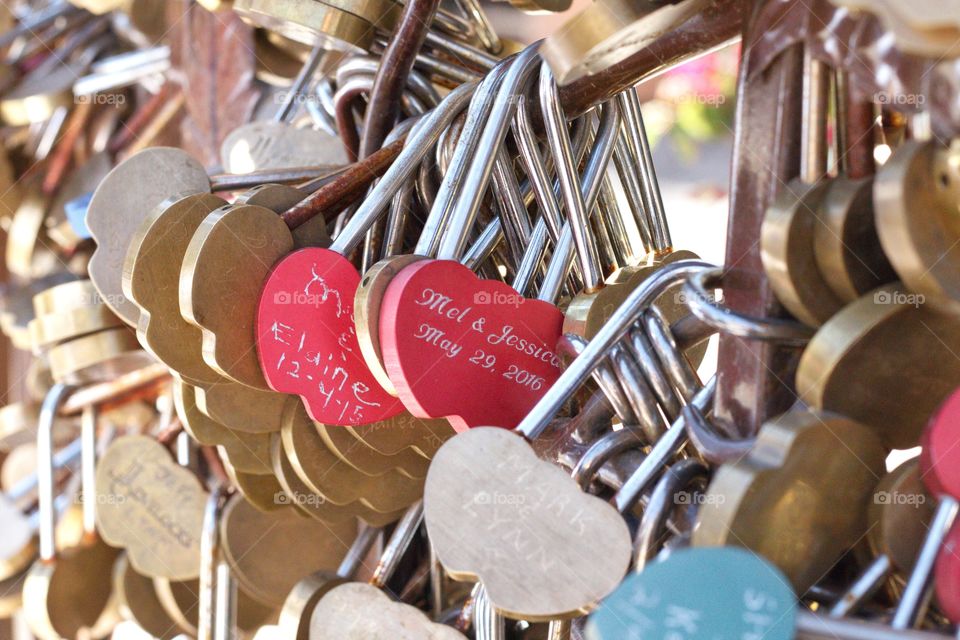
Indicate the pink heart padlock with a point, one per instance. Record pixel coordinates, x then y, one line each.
472 350
307 343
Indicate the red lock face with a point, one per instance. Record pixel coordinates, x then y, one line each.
307 344
940 455
472 350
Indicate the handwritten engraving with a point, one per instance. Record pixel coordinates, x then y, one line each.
130 483
495 510
151 506
307 343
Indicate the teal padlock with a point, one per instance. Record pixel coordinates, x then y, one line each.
712 593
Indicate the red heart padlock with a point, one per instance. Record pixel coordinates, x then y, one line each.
474 351
940 453
307 344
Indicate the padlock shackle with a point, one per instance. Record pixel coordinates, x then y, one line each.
414 150
210 558
816 98
481 103
616 327
88 468
287 108
398 544
635 137
663 500
358 551
573 345
596 168
66 456
558 139
669 444
473 186
52 402
604 449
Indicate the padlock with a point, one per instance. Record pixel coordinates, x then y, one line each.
138 601
939 481
787 235
297 612
845 242
269 574
89 608
899 504
276 144
786 455
441 526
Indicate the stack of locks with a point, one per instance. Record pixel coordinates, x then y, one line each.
350 320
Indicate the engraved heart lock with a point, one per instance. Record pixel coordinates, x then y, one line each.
305 316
